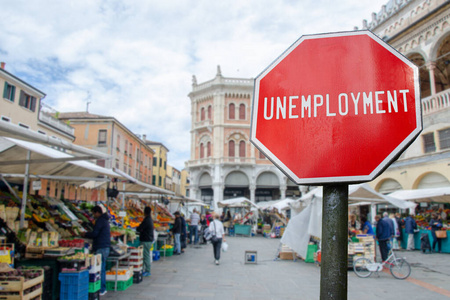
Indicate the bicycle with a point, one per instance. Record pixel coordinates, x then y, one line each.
398 267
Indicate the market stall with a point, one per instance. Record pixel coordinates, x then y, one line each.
247 211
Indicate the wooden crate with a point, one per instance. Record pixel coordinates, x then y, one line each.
19 287
287 255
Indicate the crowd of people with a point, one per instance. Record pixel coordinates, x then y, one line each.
389 232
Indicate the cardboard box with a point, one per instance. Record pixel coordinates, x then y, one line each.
287 255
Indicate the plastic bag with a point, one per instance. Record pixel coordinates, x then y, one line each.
224 246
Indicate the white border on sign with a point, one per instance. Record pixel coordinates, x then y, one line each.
360 178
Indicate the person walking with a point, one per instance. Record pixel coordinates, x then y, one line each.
101 236
176 230
193 227
410 226
218 235
400 224
146 238
436 224
204 226
383 236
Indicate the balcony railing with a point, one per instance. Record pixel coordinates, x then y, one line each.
47 119
436 102
203 123
222 160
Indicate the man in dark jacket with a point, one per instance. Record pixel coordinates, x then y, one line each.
176 230
383 236
101 236
146 238
410 226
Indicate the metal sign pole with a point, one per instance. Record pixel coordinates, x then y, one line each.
25 192
334 265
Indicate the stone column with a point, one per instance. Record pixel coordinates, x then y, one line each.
252 193
431 66
193 191
218 194
283 189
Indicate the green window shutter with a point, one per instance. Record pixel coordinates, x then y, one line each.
5 90
13 93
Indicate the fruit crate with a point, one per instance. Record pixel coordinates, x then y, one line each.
137 277
74 286
94 296
94 277
95 263
111 275
7 285
121 285
137 252
95 286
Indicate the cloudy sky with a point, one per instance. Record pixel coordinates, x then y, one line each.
134 60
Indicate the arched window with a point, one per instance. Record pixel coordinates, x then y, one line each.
231 148
231 111
209 112
242 149
202 151
208 149
202 114
242 112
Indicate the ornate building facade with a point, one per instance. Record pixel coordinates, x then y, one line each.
224 164
420 30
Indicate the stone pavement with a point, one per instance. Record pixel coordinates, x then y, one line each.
193 275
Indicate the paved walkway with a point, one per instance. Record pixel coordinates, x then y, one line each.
193 275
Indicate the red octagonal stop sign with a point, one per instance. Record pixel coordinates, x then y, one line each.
336 107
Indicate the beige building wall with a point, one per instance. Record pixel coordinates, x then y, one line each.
159 163
420 30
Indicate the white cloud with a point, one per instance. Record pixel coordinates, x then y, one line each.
134 59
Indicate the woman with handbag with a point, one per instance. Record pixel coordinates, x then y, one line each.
218 235
436 224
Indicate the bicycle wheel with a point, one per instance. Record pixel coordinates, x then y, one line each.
360 267
400 268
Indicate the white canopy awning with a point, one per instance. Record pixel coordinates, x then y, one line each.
441 195
237 202
46 162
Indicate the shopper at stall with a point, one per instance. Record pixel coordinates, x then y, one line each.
218 235
400 224
383 236
176 230
101 236
366 227
410 226
146 238
353 224
193 227
203 225
183 235
394 239
436 224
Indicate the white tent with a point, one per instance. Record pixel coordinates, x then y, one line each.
441 195
281 205
237 202
309 222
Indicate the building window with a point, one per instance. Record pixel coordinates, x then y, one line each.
118 143
125 149
202 114
231 148
27 101
202 151
165 165
131 149
160 181
428 142
154 180
160 162
444 138
261 155
102 137
125 168
9 92
117 163
242 112
209 112
242 149
231 111
208 149
155 161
